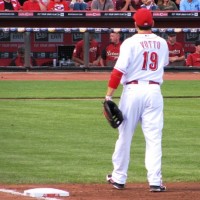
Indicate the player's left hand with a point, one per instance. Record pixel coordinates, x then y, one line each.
112 113
108 98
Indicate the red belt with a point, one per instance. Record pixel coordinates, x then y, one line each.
136 82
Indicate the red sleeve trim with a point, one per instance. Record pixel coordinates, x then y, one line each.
115 78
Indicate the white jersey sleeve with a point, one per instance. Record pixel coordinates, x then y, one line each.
143 57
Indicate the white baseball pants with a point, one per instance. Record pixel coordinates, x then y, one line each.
142 103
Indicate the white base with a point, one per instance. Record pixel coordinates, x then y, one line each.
46 192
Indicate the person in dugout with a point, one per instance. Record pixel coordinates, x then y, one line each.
193 59
19 59
110 53
94 52
176 50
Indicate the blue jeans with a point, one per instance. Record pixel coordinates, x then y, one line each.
80 6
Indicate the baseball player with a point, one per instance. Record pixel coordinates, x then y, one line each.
19 60
193 59
94 52
110 54
140 69
176 51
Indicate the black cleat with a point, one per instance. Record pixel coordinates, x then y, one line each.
115 185
154 188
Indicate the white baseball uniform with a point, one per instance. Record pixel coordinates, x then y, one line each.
142 59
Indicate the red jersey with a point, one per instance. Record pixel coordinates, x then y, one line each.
176 49
61 6
193 59
110 54
19 62
94 51
29 5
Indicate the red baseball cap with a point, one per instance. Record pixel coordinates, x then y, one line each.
143 17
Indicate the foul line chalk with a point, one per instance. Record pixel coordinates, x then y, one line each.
21 194
11 192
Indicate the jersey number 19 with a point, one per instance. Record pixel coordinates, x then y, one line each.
150 61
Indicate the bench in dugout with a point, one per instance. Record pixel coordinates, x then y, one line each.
64 54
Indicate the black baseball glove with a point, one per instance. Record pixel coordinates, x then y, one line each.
112 113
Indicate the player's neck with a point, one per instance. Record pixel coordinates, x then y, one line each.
172 43
144 31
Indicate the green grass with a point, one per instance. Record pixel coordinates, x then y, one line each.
48 89
69 141
59 89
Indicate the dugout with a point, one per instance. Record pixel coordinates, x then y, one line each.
43 39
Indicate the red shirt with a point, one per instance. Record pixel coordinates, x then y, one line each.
29 5
61 6
19 62
110 54
193 59
176 49
94 51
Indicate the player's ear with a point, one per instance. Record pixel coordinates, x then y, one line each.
135 25
153 24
